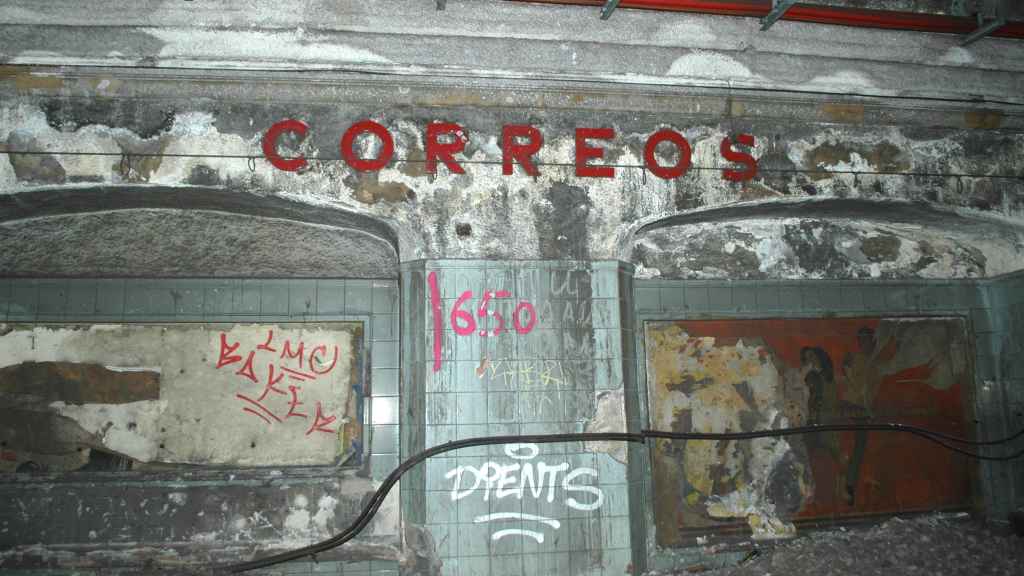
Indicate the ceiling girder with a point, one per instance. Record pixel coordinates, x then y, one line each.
779 8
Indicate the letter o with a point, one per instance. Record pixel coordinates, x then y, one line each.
270 144
667 172
370 164
521 451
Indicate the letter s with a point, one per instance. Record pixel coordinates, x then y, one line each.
741 157
576 504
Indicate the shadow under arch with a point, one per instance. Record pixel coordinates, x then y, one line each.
975 243
163 231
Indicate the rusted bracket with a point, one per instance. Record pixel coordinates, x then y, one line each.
609 7
991 17
779 8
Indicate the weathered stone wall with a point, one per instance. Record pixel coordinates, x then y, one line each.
959 171
881 155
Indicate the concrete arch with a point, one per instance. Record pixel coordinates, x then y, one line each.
161 231
832 238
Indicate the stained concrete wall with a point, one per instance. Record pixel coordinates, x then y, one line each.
482 214
933 130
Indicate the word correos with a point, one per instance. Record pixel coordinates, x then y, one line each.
519 144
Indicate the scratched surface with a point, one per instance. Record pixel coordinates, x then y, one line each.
520 348
238 394
732 375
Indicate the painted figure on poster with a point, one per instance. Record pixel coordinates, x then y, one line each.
862 376
721 375
823 397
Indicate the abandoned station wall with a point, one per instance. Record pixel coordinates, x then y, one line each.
138 213
727 230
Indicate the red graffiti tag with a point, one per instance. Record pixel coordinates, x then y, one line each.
270 383
226 351
321 422
294 403
246 369
294 363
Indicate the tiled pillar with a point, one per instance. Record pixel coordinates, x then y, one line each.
558 366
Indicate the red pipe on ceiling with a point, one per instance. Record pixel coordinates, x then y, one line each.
858 17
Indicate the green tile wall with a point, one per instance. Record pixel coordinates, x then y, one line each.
1000 327
548 381
544 382
374 302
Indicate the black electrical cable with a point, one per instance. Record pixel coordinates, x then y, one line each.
381 493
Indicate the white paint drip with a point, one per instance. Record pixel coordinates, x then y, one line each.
233 48
844 80
131 429
706 64
325 512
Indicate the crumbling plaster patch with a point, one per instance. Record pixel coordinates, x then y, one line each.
701 385
793 248
198 418
710 65
609 416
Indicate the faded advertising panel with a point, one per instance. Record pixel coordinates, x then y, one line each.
134 395
741 375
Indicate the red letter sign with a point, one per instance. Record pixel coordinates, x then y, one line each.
742 157
444 150
371 164
584 152
522 153
682 146
270 144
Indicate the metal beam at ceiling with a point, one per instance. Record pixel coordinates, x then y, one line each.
818 14
609 7
991 17
779 8
983 31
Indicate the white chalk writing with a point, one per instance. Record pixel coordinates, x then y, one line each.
524 477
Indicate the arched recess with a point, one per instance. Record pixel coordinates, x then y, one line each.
211 262
143 231
829 238
740 308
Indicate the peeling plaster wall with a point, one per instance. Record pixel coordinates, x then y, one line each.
483 214
149 84
497 39
795 248
197 415
218 244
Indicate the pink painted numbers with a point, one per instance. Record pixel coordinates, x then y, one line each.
524 317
